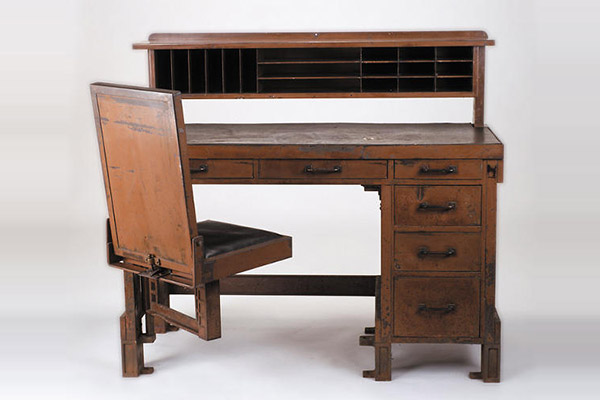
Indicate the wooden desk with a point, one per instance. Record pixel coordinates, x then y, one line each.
437 182
423 296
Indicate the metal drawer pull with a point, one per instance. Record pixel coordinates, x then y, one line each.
335 170
451 169
448 309
201 169
425 206
424 252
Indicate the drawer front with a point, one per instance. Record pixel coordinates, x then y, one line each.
437 251
221 169
438 205
322 169
438 169
436 307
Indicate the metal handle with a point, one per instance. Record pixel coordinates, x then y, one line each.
451 169
425 206
201 169
425 252
335 170
445 310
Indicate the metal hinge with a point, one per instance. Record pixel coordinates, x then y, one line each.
492 171
156 270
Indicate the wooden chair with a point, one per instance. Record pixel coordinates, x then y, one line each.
152 230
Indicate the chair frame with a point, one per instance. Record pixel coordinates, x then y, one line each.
147 277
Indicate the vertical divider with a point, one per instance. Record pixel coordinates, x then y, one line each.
240 67
257 73
435 63
205 71
189 63
222 71
360 79
397 69
172 63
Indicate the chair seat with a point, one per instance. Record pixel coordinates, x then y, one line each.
221 237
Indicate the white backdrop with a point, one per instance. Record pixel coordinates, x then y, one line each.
541 85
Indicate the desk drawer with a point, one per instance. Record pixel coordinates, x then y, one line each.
438 205
437 251
436 307
221 169
322 169
438 169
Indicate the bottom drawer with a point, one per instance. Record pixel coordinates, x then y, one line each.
436 307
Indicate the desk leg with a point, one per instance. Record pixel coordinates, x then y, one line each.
132 339
381 340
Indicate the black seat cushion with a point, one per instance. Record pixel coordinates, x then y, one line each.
220 237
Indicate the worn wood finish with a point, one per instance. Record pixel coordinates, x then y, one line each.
320 65
130 119
152 232
213 169
438 205
436 307
313 39
341 141
436 251
438 169
463 164
322 169
293 285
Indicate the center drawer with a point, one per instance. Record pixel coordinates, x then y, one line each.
437 205
322 169
436 307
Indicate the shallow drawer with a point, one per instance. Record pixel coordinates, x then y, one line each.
436 307
438 169
437 251
221 169
322 169
438 205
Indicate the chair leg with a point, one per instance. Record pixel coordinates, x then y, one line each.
208 310
132 341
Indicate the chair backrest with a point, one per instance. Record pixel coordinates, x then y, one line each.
141 135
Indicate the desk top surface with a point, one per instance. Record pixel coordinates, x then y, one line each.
342 141
339 134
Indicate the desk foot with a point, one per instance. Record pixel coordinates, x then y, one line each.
383 359
490 364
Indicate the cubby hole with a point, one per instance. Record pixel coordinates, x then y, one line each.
379 54
416 53
416 85
197 72
379 84
214 70
162 69
309 85
249 70
231 69
416 69
309 70
454 68
454 84
339 54
380 69
180 71
455 53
